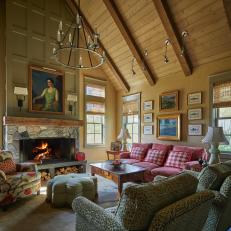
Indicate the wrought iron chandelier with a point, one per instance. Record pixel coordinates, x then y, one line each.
78 48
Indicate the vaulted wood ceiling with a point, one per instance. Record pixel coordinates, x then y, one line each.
206 22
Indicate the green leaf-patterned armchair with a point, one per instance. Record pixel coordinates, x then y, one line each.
16 180
171 204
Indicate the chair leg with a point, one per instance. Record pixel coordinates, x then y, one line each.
38 192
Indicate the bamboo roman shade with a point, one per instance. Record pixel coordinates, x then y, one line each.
131 104
222 94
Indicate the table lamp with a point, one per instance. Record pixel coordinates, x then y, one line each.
123 136
214 137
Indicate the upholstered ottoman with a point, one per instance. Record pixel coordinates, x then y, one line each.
61 190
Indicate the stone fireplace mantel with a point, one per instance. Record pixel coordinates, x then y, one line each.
27 121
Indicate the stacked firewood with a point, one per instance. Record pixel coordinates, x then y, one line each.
45 176
66 170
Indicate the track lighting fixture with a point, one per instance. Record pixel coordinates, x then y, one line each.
167 42
132 69
184 34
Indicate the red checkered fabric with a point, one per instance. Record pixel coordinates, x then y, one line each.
156 156
177 159
137 153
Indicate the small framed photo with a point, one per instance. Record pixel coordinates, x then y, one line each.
195 98
195 114
195 129
168 101
148 117
148 129
148 105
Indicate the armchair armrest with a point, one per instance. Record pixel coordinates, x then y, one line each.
26 167
93 216
193 165
125 155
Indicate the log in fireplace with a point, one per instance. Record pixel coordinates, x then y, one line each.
47 150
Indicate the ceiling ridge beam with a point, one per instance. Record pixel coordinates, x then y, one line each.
123 82
173 35
127 35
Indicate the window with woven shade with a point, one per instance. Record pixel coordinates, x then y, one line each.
222 94
222 110
131 116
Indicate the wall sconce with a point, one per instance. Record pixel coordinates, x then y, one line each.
167 42
20 93
184 34
71 99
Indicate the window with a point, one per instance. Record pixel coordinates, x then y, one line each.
131 116
222 110
95 113
223 119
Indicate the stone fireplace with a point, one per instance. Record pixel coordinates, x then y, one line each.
22 136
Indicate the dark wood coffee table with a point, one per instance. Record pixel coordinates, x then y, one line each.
124 173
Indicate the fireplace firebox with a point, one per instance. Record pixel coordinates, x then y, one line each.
47 150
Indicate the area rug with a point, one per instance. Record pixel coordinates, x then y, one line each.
34 214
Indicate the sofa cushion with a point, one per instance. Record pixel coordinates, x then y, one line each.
177 159
8 166
139 202
213 176
165 147
156 156
129 161
138 153
197 152
149 166
146 146
165 171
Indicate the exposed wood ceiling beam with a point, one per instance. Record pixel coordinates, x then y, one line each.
227 6
173 34
137 53
73 7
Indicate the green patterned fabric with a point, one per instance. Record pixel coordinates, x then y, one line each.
149 207
178 215
61 190
139 202
213 176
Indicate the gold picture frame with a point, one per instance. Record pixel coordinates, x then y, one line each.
169 127
169 101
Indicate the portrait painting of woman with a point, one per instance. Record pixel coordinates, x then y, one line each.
46 87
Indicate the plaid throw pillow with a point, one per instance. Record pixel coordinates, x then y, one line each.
155 156
8 166
137 153
177 159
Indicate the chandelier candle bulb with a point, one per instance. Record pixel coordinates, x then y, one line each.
80 61
58 36
70 38
78 19
88 39
54 50
60 26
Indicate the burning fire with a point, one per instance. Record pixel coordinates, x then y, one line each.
41 151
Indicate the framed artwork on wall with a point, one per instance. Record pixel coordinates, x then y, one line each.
195 98
148 117
195 114
148 105
168 101
148 129
169 127
46 90
195 129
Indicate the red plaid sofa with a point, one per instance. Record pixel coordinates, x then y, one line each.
163 159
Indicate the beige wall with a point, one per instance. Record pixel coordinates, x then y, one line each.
198 81
2 64
31 28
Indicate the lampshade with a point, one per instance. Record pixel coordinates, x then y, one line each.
215 135
124 134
